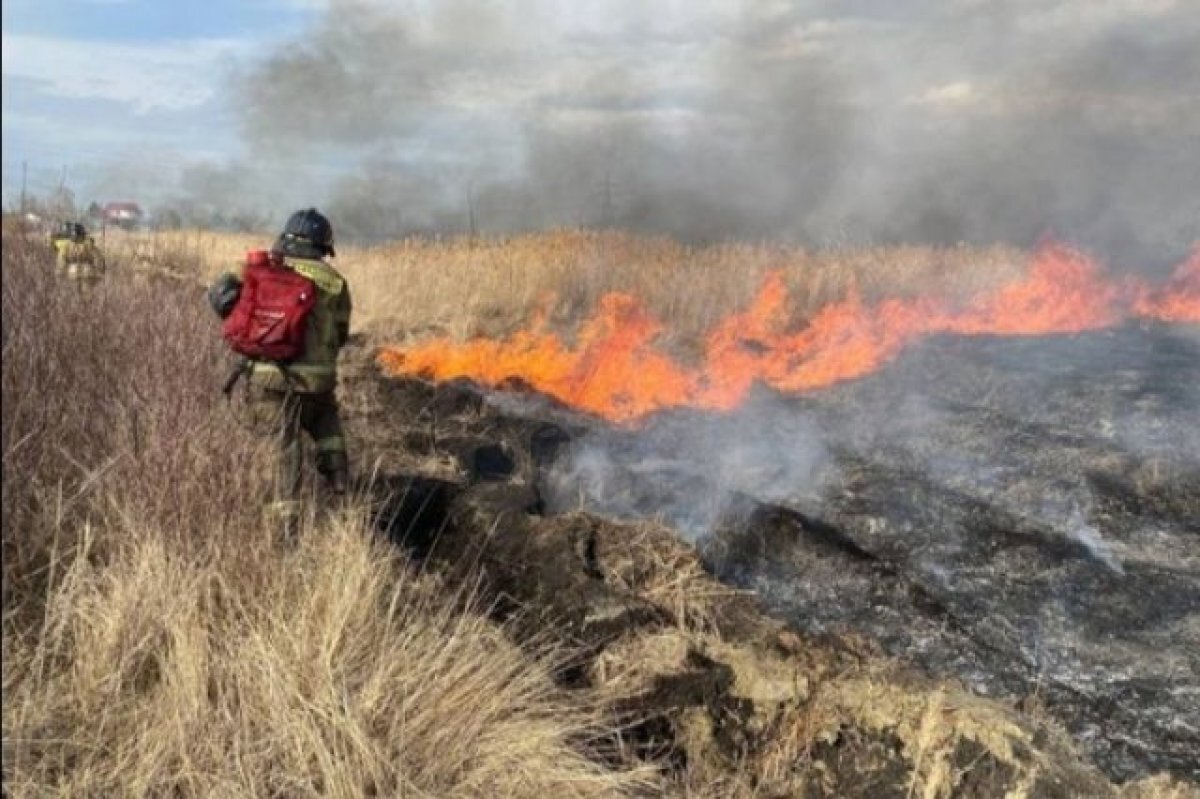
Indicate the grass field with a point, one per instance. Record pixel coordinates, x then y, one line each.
156 639
463 287
158 643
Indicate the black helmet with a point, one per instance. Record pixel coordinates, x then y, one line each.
311 227
77 230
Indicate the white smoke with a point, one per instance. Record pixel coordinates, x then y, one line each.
688 469
1079 529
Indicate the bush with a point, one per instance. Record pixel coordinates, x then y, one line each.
157 642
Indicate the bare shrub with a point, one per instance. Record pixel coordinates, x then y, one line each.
110 409
157 642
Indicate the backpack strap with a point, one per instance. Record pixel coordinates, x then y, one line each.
240 370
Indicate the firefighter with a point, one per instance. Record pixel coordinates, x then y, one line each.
62 233
300 395
76 254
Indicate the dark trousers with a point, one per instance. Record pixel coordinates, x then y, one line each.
317 416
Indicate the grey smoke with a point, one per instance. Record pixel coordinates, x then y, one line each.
814 122
689 470
1083 532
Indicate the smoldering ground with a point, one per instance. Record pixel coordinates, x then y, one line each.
816 122
1017 512
688 470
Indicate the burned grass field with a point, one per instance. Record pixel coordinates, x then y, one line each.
1001 490
1020 514
867 630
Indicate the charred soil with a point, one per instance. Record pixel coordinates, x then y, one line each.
708 683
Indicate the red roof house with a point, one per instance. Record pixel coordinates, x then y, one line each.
122 213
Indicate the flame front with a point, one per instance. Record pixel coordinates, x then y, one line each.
615 369
1179 299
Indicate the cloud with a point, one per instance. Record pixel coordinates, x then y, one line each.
58 134
148 77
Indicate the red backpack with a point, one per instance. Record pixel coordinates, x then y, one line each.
271 315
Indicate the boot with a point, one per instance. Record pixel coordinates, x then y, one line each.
334 467
339 482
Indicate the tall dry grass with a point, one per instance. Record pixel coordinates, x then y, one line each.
156 642
465 287
109 414
333 672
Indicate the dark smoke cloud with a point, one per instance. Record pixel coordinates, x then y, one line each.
816 122
1093 138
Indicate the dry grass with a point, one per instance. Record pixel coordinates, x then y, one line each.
109 415
157 642
652 563
334 673
465 287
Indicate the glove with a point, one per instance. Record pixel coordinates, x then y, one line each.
223 295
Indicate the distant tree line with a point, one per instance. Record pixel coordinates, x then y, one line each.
187 214
60 205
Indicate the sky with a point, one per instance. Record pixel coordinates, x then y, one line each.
815 121
122 93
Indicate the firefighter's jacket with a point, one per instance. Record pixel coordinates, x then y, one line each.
328 328
79 259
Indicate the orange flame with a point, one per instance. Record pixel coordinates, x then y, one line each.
1179 299
614 368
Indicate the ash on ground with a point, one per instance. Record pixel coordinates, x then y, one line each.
1020 513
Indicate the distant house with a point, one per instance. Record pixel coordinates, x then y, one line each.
122 214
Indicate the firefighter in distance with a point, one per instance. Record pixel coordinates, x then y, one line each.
76 254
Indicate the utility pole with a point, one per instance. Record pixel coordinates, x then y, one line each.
471 209
59 206
24 180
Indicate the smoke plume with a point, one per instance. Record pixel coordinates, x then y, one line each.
814 122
